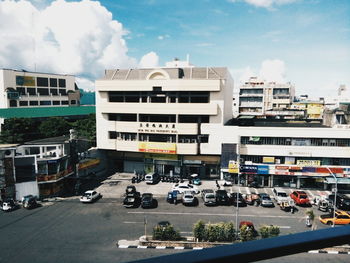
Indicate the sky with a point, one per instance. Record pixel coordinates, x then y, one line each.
305 42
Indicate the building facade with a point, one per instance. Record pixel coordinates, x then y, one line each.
152 119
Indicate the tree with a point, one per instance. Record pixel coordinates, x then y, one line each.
19 130
86 127
53 127
199 230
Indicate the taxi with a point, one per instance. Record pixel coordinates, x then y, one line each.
341 218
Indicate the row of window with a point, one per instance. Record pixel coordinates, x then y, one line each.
144 137
281 160
40 81
41 91
295 141
25 103
159 96
168 118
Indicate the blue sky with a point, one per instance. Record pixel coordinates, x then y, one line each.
305 42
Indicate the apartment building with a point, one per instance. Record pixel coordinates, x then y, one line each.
151 119
261 98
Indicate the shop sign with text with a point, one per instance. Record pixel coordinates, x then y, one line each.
157 147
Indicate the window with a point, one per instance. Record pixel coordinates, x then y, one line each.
56 102
122 117
13 103
54 92
21 91
62 83
157 89
204 138
73 102
45 102
63 92
42 82
31 91
112 135
65 102
43 91
33 103
160 99
53 82
23 103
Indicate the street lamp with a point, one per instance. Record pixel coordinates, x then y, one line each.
335 194
238 165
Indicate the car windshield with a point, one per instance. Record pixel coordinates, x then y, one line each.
210 196
266 198
146 196
188 196
303 196
87 194
282 194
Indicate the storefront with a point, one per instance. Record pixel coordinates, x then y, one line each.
205 166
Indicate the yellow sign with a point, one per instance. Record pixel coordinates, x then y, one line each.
233 167
268 159
157 147
309 162
156 156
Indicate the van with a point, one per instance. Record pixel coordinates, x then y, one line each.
152 178
280 195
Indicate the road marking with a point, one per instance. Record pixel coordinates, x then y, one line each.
207 214
332 252
179 248
130 222
284 227
247 190
265 191
256 191
239 189
186 232
197 248
313 251
160 247
311 194
123 246
141 246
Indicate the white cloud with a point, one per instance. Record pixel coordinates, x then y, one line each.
162 37
266 3
85 84
150 60
273 70
79 38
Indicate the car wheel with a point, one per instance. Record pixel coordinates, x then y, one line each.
329 223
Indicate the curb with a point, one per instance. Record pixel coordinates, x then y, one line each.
328 252
159 247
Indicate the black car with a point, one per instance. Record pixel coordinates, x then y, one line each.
132 200
342 202
29 201
222 197
147 201
237 198
130 189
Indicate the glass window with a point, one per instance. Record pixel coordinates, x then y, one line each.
42 82
54 91
62 83
23 103
13 103
33 103
21 91
31 91
65 102
56 102
43 91
45 102
63 92
53 82
73 102
112 135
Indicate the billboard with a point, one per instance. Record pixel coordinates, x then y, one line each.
157 147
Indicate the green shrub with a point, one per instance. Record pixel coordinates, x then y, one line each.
220 232
269 231
199 230
166 233
246 233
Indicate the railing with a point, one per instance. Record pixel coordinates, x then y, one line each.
262 249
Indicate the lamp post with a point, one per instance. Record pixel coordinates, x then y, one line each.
335 194
238 165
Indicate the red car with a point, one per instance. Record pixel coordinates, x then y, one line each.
300 198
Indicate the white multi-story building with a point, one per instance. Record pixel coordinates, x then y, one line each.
20 88
152 119
258 97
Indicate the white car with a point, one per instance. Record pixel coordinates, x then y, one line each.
188 198
8 205
185 187
89 196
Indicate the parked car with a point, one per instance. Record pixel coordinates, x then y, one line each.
237 199
324 204
147 201
152 178
9 205
341 218
130 189
342 202
280 195
29 201
265 200
222 197
132 199
90 196
300 198
181 187
251 199
174 197
188 198
209 197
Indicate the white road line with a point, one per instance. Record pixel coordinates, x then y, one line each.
130 222
123 246
265 190
310 194
160 247
179 248
207 214
286 227
197 248
333 252
247 190
256 191
239 189
186 232
313 251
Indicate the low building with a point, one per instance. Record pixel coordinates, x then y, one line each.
7 171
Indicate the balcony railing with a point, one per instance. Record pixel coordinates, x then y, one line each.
262 249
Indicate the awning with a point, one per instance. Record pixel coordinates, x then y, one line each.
330 180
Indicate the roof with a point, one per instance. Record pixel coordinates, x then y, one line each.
38 112
52 140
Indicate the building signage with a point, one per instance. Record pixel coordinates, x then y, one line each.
25 81
157 128
192 162
263 169
268 159
155 156
249 169
309 162
157 147
289 160
233 167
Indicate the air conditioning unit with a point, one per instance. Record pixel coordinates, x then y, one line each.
9 154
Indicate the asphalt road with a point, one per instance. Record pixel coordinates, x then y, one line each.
69 231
